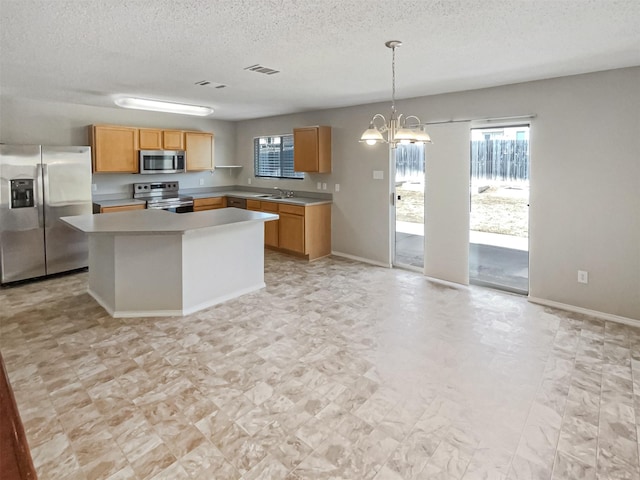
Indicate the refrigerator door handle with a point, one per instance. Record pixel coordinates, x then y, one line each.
38 193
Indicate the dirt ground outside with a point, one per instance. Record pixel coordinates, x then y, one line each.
496 207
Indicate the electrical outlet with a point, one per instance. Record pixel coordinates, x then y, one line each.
249 181
94 187
583 276
201 181
337 187
324 186
319 186
378 175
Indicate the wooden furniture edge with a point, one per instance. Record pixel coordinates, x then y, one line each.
15 457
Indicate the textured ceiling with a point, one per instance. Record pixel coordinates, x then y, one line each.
330 53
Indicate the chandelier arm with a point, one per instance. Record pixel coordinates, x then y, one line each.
406 119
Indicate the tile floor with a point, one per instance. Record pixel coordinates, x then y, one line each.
337 370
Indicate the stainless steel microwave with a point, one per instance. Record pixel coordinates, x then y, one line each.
162 161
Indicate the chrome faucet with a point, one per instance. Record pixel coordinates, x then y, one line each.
285 193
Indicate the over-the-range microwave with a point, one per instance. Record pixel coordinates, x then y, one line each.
162 161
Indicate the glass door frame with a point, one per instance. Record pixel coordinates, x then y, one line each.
393 196
506 125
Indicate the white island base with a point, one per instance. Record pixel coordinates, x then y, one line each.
173 270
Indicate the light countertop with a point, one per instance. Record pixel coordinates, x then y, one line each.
152 221
264 197
121 202
297 200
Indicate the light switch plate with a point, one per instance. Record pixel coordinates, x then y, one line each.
337 187
378 175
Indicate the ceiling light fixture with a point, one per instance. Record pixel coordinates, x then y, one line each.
158 106
398 129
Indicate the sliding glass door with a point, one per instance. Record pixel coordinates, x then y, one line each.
409 206
499 220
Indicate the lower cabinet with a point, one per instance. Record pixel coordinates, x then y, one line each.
301 230
291 228
209 203
271 233
122 208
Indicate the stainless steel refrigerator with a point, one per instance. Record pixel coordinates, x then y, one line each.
38 185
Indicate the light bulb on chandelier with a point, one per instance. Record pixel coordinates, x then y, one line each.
398 129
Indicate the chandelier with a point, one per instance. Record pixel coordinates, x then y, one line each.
400 128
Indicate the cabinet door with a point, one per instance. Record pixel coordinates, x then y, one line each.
305 149
122 208
199 150
172 140
291 232
150 139
114 149
210 203
254 205
312 149
271 237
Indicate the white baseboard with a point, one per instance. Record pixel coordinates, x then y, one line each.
222 298
361 259
460 286
594 313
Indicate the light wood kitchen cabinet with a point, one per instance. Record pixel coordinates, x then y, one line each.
149 139
172 140
209 203
114 149
270 228
303 230
157 139
122 208
199 150
291 230
312 149
255 205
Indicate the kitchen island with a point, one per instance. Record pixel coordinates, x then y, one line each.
155 263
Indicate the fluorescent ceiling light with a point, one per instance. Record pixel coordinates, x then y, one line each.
158 106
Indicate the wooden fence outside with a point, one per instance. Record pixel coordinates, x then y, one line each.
500 159
490 160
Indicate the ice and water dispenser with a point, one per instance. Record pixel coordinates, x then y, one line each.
22 193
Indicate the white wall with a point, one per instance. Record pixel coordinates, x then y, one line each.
585 179
25 121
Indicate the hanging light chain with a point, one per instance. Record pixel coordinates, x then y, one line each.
393 81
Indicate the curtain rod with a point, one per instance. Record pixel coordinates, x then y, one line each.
493 119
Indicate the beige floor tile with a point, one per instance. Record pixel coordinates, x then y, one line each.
335 370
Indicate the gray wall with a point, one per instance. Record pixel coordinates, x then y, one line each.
585 173
585 180
24 121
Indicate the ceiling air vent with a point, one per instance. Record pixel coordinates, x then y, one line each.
207 83
261 69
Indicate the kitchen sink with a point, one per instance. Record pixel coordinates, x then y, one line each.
263 196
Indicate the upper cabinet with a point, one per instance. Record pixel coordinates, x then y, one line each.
114 149
312 149
155 139
199 150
